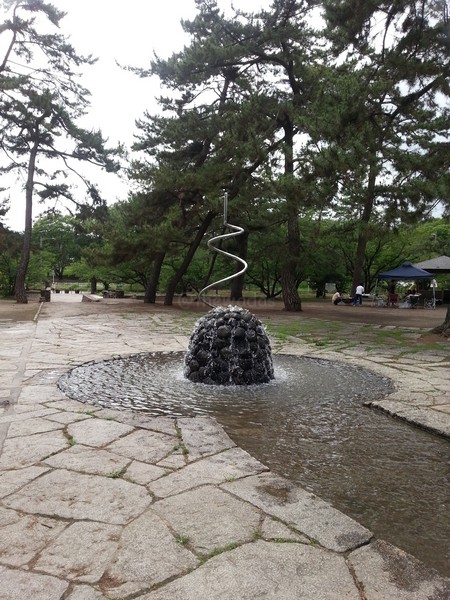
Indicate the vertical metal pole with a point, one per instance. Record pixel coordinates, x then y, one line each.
225 208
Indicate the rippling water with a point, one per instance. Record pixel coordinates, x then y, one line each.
310 426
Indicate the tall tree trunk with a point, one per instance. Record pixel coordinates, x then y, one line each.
237 284
288 277
364 222
93 282
150 290
289 271
21 294
444 329
168 300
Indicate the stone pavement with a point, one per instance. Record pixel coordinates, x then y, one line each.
103 504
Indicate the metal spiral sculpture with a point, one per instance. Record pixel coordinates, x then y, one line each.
236 231
229 345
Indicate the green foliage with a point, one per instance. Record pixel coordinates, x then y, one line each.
10 245
56 243
427 240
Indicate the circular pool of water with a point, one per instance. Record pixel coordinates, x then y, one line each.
310 425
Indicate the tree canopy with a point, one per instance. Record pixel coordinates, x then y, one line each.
307 109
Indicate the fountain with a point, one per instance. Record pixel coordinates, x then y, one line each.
308 423
229 346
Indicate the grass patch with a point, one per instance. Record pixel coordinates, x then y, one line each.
338 336
183 540
316 332
182 448
180 445
217 551
117 474
257 534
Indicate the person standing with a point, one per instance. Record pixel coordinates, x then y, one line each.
358 295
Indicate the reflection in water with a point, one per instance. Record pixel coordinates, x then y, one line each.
310 426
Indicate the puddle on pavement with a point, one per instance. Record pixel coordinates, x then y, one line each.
308 425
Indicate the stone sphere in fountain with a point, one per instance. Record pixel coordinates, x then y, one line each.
229 346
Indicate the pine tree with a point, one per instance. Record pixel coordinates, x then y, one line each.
238 93
41 101
390 94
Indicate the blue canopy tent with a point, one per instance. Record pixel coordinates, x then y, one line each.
405 272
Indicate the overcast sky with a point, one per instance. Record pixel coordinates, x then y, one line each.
128 32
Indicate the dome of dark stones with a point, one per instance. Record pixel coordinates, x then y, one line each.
229 346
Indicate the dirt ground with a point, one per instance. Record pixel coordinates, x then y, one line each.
68 305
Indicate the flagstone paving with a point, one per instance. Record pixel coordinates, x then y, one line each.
99 504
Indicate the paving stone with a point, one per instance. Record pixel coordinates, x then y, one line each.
97 432
301 509
203 436
88 460
82 552
23 536
72 495
422 357
68 417
147 555
20 413
144 445
142 473
32 426
274 530
21 585
46 377
37 394
83 592
214 519
230 464
72 405
176 460
387 572
20 452
161 424
11 481
265 570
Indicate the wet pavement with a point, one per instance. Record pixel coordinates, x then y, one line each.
105 504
